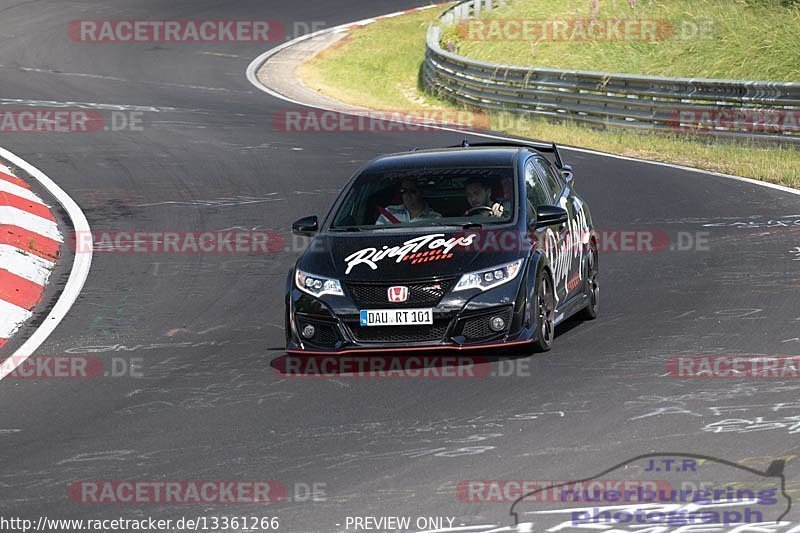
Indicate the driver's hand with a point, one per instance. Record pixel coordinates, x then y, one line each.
497 210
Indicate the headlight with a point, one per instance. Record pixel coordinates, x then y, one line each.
489 278
317 285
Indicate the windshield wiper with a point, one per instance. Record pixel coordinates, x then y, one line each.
467 225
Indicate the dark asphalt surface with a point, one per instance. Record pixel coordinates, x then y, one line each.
208 328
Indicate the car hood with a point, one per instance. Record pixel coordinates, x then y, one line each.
389 256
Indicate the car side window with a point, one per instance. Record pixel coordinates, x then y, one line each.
535 189
554 184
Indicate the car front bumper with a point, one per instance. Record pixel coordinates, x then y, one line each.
461 322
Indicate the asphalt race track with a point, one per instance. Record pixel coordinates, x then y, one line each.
210 404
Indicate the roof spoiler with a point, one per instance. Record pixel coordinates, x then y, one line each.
539 147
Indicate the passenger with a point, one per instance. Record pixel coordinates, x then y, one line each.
413 208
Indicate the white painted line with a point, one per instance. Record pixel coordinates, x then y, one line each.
25 265
459 529
255 65
16 190
690 169
77 276
80 105
13 317
30 222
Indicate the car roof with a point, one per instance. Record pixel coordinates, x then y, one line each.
449 158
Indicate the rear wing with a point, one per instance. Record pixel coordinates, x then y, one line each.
539 147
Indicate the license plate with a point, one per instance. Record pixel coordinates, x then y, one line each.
396 317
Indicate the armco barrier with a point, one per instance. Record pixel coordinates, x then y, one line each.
748 110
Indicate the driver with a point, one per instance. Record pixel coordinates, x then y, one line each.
479 194
413 208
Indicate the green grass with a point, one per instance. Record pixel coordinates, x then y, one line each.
738 39
378 66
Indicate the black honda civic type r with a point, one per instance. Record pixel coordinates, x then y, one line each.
472 247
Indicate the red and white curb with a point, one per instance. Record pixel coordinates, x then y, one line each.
29 246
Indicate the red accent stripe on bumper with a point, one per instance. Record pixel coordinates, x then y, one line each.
409 349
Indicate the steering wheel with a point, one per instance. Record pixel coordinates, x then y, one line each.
476 210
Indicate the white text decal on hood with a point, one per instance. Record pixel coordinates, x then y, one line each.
370 256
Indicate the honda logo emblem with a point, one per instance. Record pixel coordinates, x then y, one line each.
398 294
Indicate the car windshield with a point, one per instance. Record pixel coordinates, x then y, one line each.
428 197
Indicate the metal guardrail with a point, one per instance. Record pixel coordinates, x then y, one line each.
746 110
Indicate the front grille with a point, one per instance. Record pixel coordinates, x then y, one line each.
477 327
435 332
420 293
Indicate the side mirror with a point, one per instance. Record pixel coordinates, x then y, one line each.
306 226
550 215
567 174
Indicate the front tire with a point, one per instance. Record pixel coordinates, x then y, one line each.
544 311
592 289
